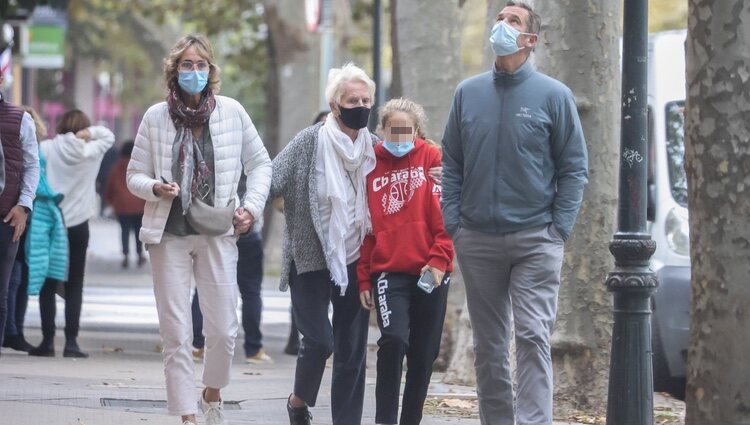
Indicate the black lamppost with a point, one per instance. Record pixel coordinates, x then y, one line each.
630 400
377 69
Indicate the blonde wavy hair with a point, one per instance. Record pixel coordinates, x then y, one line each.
204 49
41 128
413 109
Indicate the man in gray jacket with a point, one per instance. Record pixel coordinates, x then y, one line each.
515 165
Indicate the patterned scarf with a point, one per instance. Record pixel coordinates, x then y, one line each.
194 173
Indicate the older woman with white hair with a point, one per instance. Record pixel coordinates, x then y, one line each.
189 154
321 175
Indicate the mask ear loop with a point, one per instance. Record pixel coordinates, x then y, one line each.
528 35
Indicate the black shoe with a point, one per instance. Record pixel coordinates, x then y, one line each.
73 350
17 343
45 349
299 415
292 348
292 344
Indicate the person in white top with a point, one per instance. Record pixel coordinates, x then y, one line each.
189 154
73 157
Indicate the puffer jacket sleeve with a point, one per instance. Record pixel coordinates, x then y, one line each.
141 175
257 166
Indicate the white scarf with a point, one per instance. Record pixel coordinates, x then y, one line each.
342 157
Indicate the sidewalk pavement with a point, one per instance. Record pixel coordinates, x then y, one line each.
122 383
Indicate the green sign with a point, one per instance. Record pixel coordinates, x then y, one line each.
45 46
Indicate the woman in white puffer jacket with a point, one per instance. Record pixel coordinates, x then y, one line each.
189 154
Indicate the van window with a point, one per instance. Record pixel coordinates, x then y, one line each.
675 116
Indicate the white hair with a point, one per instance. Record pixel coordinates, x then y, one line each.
338 77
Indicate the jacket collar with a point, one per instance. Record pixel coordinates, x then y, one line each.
521 74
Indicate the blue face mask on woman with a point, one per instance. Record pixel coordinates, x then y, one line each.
193 82
398 149
504 39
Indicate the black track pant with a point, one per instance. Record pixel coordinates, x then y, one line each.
411 324
78 243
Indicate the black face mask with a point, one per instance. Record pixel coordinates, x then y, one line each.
355 118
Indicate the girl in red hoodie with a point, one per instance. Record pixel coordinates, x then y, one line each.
408 240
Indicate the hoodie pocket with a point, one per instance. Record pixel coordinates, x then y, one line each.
403 248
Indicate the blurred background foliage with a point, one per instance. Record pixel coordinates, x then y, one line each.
129 39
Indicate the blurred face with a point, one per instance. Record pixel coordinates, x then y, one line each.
400 127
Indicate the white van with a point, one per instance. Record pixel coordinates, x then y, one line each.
667 209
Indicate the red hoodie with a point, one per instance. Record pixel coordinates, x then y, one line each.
407 223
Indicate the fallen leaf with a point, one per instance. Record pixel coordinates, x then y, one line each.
457 403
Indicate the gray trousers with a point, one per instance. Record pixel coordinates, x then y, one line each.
518 271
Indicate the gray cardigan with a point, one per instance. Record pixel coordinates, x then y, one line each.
295 180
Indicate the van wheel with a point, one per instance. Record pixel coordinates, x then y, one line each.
663 381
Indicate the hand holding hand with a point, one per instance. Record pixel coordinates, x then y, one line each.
242 221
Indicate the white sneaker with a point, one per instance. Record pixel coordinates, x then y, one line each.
214 412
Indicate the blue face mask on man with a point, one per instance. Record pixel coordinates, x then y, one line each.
399 149
504 39
193 82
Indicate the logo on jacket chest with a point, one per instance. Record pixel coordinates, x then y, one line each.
524 112
399 187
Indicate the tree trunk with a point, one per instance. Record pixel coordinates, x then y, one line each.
461 367
579 46
426 45
292 95
394 90
717 158
428 40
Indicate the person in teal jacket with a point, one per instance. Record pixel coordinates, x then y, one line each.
47 241
19 282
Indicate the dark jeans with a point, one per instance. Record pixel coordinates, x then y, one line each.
8 250
346 338
78 243
18 295
22 299
128 223
17 299
249 279
411 325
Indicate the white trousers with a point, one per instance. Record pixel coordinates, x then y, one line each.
212 260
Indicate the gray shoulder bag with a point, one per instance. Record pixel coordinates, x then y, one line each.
208 220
